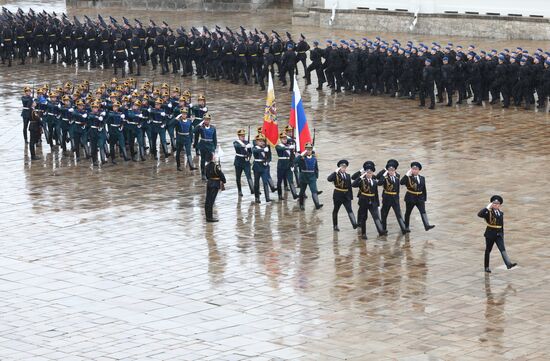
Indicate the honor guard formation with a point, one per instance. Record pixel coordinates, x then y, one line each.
371 66
129 119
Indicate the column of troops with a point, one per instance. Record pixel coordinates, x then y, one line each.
372 66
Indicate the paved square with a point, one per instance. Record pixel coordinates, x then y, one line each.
118 263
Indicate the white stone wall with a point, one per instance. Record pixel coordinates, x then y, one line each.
502 7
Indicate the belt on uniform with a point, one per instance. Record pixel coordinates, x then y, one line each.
240 155
79 123
50 114
135 47
104 41
181 47
65 119
92 39
80 38
213 178
180 133
207 140
6 40
120 51
228 53
29 31
254 55
259 160
157 122
53 34
283 158
277 54
493 226
20 37
26 108
391 193
307 171
301 52
43 35
94 127
214 51
160 46
368 194
415 193
242 54
133 123
340 189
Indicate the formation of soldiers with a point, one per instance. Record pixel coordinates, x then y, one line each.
376 67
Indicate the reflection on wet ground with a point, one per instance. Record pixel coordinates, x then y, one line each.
118 263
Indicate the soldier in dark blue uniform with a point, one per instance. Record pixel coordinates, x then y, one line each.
206 140
95 134
368 198
309 172
215 182
243 153
342 193
494 233
134 121
65 122
115 120
158 124
416 195
316 55
389 180
184 134
262 157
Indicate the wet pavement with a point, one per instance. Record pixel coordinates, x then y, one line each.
119 264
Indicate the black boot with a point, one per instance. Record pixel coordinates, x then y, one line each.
379 228
190 163
352 220
280 194
404 229
315 198
239 188
507 261
301 201
427 225
266 191
250 184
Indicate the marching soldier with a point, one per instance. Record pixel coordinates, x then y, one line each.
115 120
206 140
316 55
27 101
368 198
262 157
96 123
34 133
284 163
158 125
416 195
301 49
134 121
215 183
243 153
309 172
389 180
184 135
342 193
494 233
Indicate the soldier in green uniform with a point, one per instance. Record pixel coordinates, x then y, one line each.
285 153
309 172
243 153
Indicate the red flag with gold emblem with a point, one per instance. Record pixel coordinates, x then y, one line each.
270 128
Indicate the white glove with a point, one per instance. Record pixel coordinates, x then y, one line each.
104 103
59 106
100 118
71 110
385 173
84 115
150 109
304 153
169 105
205 109
162 125
409 172
103 113
123 116
337 170
266 149
248 146
140 115
163 114
489 206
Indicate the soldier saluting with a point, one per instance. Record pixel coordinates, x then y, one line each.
342 193
494 233
416 194
368 198
389 180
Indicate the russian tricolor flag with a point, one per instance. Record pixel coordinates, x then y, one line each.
298 119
